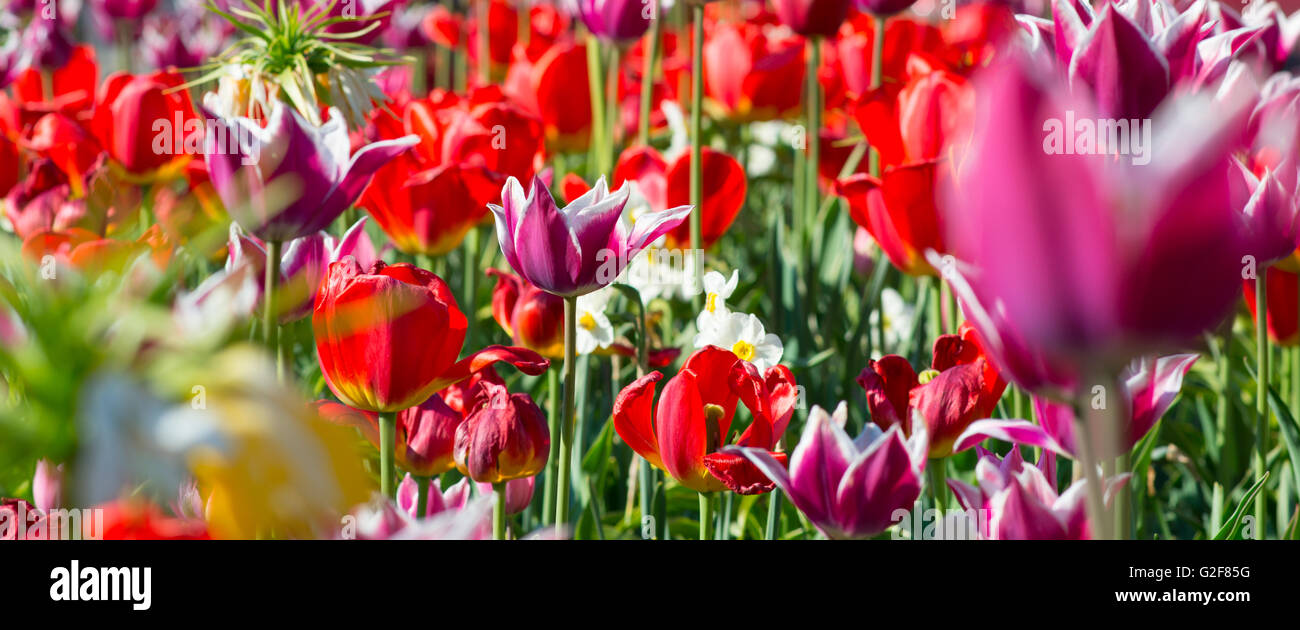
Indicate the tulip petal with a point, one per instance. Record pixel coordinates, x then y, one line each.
634 417
1014 431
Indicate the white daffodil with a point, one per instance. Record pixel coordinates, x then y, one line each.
717 288
898 319
594 330
743 334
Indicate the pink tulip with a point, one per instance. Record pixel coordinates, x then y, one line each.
47 486
1021 500
848 488
302 262
1094 259
581 248
1150 387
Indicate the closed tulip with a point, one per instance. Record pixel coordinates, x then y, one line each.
147 126
1281 309
388 336
812 18
504 438
619 21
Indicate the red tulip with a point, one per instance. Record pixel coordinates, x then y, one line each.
147 126
505 437
1282 297
533 317
812 17
684 432
388 337
68 145
668 186
749 71
960 387
71 89
90 253
423 211
426 433
554 87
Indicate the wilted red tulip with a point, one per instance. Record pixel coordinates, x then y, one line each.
388 337
505 437
960 387
685 431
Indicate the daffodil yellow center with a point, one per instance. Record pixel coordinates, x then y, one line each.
712 304
744 350
926 376
587 321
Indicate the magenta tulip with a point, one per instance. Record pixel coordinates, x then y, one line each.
1150 387
1096 258
290 178
578 249
1016 501
848 488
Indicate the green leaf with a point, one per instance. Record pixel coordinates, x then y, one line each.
1230 528
1290 432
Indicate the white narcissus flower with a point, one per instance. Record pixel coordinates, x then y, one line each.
717 288
898 320
743 334
594 330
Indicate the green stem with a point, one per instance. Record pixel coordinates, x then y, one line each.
596 83
647 78
706 516
1099 523
422 496
471 283
387 440
611 107
813 111
552 464
1124 501
270 318
877 75
647 494
1261 393
499 514
484 51
697 107
938 488
773 515
566 425
936 308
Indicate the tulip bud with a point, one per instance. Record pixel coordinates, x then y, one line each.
47 485
507 438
